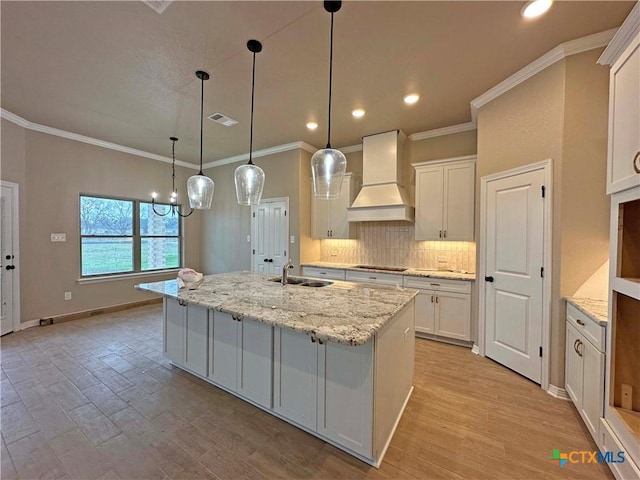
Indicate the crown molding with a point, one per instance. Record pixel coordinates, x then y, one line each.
439 132
572 47
627 31
262 153
351 148
36 127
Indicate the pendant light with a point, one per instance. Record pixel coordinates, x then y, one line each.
249 178
200 187
328 165
173 199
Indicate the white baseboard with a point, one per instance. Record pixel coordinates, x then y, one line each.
29 324
475 349
558 392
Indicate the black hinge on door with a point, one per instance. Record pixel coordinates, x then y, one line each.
541 272
285 213
254 251
254 214
544 190
541 351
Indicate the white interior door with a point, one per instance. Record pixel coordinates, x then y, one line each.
514 241
8 250
270 233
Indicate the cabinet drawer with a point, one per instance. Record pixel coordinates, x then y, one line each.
374 277
591 330
317 272
455 286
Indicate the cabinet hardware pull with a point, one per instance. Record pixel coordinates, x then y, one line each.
320 342
579 344
575 346
440 233
445 234
580 322
436 298
431 298
373 278
434 284
313 339
636 162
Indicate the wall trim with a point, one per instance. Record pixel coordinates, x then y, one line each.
262 153
558 392
442 161
89 313
351 148
563 50
439 132
628 30
475 349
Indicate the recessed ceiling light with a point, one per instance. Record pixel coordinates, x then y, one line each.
411 98
536 8
312 125
358 112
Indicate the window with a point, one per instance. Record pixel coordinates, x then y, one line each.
126 236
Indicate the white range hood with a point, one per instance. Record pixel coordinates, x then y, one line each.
382 196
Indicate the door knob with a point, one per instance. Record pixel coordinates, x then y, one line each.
266 259
8 257
10 267
270 260
488 279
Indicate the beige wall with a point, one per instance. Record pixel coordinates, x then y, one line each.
559 114
227 224
57 170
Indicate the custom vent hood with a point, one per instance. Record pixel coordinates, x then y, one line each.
382 196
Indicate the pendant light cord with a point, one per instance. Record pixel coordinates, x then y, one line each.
253 88
173 166
201 115
330 82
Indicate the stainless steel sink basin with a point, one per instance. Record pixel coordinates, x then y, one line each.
303 282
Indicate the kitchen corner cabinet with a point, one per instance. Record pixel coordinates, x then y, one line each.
623 170
329 217
443 307
240 357
185 335
336 390
584 367
445 197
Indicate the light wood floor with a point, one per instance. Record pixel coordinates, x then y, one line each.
95 398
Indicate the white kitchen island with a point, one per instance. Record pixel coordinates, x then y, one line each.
336 361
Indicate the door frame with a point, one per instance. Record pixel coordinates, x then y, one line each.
547 167
252 226
15 230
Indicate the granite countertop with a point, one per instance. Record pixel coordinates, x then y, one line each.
413 272
595 309
343 312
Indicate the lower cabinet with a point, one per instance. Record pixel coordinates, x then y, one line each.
186 330
241 352
443 307
584 369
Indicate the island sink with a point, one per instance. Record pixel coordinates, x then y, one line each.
304 282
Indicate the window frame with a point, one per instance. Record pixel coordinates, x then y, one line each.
136 237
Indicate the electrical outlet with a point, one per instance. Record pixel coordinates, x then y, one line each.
67 295
58 237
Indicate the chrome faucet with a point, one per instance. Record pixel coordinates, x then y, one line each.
285 271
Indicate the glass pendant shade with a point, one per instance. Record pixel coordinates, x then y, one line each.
328 167
200 191
249 184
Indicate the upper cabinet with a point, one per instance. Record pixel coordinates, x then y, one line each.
329 217
623 167
445 196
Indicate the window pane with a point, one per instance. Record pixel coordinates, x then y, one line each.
160 253
104 216
106 255
155 225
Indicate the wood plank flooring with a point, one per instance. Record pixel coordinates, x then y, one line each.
95 398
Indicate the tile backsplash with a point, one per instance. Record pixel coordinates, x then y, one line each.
392 244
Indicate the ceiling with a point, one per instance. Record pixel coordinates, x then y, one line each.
123 73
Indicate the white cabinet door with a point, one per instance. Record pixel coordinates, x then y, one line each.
255 361
223 349
624 120
329 217
345 395
429 198
320 211
453 315
197 339
573 366
458 209
174 330
295 382
592 386
425 312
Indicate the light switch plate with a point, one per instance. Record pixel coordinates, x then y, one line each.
58 237
248 238
292 240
